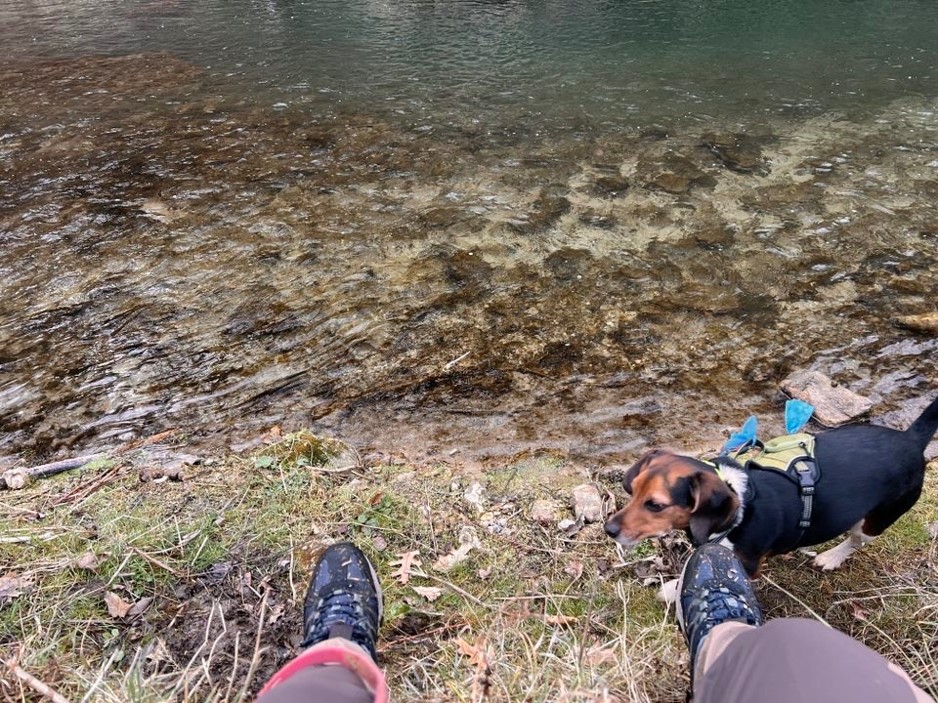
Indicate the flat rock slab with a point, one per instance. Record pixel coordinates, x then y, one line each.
833 405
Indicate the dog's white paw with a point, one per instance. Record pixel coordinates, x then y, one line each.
831 559
667 594
807 552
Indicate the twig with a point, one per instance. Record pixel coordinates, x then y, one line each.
798 601
157 562
337 470
234 667
35 684
45 537
451 586
86 489
255 659
450 364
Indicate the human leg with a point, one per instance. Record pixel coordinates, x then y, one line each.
735 657
341 615
794 660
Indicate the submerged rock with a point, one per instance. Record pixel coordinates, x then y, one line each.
738 152
926 323
551 204
674 173
610 186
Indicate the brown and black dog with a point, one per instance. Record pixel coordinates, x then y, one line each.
869 476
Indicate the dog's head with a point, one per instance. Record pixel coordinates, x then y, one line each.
672 492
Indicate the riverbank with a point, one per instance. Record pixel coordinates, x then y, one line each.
126 581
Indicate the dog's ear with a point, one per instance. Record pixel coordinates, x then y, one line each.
714 506
636 469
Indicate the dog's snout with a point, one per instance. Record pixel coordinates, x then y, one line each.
612 528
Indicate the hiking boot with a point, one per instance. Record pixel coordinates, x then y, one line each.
344 599
713 589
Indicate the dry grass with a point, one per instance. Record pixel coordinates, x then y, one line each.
529 615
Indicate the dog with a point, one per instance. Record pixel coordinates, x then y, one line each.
868 477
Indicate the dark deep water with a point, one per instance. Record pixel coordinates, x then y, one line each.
473 226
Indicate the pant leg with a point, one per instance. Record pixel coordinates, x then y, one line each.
793 660
333 671
324 683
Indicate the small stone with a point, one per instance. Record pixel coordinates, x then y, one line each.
587 503
833 405
542 511
15 479
475 496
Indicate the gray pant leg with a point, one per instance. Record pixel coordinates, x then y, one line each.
320 684
792 660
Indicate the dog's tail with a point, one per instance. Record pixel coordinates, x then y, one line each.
924 428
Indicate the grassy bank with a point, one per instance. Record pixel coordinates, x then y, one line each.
116 588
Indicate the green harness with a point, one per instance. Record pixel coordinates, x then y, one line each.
792 454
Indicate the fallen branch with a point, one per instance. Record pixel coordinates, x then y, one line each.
14 479
20 478
35 684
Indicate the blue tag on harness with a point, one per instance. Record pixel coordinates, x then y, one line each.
743 438
797 414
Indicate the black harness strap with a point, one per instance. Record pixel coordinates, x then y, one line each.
805 468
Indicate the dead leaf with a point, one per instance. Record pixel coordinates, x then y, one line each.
559 619
574 568
408 562
87 561
478 659
276 612
485 573
431 593
12 586
117 607
474 652
600 655
455 557
139 607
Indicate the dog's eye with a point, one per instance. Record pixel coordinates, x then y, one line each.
654 506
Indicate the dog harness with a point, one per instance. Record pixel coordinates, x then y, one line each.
791 454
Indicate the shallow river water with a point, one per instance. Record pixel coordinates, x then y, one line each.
460 229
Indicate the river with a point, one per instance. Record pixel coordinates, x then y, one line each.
459 230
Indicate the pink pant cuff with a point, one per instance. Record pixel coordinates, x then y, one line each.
338 652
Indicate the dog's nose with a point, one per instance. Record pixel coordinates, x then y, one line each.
612 528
